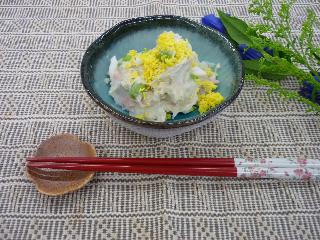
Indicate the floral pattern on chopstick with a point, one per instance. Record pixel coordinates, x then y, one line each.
281 173
277 162
285 168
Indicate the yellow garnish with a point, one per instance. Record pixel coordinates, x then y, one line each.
208 101
168 52
132 63
134 75
144 96
139 116
209 72
132 53
206 85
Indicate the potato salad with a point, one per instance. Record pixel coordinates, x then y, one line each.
156 84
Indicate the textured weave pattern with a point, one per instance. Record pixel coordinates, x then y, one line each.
41 46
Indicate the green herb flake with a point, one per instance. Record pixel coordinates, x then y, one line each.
126 58
168 116
165 54
136 89
194 77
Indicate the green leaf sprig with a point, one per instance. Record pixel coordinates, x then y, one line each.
292 55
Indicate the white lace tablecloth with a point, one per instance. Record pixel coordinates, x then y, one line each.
41 46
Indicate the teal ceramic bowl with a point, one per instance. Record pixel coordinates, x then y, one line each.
140 33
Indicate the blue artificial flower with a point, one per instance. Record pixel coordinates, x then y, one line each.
250 53
268 50
307 89
246 53
214 22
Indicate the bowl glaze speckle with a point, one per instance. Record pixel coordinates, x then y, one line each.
140 33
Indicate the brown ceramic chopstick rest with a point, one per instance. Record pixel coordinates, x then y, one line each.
57 182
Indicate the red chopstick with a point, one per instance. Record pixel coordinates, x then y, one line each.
169 166
145 169
209 162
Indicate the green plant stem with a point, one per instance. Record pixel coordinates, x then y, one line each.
285 93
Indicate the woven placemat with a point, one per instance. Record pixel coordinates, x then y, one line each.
41 46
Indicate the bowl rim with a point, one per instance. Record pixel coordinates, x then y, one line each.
150 124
